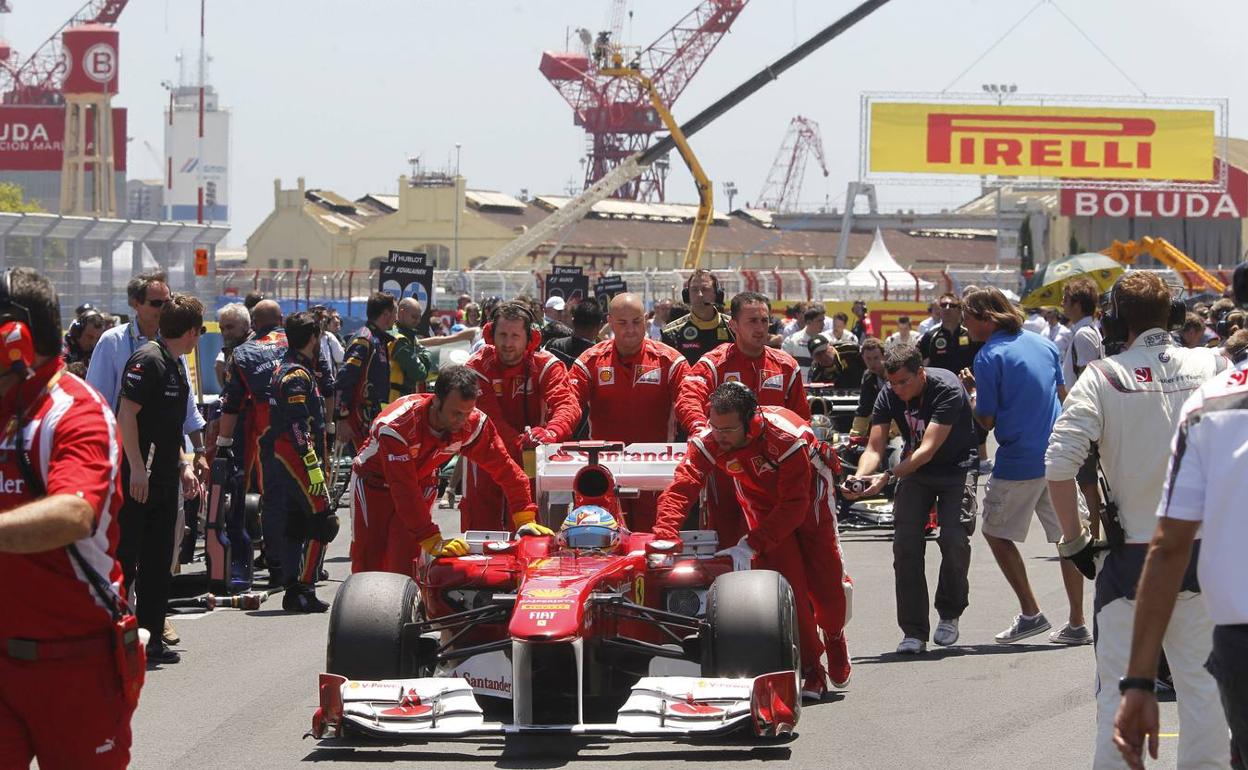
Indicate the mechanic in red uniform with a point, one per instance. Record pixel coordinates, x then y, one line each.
524 391
773 375
395 475
628 384
783 488
65 698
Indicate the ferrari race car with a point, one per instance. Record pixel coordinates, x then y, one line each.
597 630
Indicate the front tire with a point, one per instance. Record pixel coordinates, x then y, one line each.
366 625
752 626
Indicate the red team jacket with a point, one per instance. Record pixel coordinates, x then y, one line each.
403 452
771 473
74 446
532 393
628 399
774 377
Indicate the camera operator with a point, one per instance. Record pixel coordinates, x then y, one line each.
933 411
67 633
1125 404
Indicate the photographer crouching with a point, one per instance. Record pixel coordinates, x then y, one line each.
71 657
1129 404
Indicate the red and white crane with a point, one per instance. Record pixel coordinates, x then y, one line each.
38 79
615 112
783 187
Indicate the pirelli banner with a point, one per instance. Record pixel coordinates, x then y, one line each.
1090 143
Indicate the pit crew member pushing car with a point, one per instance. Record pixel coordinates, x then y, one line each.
773 376
68 680
785 491
628 384
395 475
524 391
292 449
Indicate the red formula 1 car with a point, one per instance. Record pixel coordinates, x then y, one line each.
546 634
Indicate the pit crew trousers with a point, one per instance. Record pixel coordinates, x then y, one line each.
146 549
1187 644
285 512
786 558
911 512
830 588
1229 665
68 713
381 540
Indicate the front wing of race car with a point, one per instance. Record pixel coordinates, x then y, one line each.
672 706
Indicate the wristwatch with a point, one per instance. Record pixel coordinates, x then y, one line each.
1137 683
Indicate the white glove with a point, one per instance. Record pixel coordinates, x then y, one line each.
742 554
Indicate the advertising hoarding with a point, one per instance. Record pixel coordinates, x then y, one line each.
1036 140
32 138
1231 203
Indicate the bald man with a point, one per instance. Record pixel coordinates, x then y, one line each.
627 385
409 361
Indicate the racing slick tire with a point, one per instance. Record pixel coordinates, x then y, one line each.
751 626
366 625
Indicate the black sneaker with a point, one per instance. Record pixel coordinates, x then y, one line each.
158 653
302 598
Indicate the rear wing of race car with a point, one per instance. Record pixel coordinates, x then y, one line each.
641 467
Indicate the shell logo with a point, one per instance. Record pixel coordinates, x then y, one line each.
733 466
549 593
606 375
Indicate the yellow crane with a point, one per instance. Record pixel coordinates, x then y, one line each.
706 196
1166 253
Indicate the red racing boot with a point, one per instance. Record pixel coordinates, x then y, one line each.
839 667
814 684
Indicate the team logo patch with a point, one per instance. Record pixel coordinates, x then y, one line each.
761 465
941 343
650 375
498 387
606 375
772 381
1143 374
733 466
690 333
521 388
732 377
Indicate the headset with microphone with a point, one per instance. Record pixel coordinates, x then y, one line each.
17 344
719 293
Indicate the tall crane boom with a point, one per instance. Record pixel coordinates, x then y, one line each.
615 111
784 182
632 166
37 80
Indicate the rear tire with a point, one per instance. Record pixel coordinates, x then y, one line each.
752 626
366 625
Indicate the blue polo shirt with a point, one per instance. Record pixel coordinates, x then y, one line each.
1016 379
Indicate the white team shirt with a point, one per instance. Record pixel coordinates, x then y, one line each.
1208 482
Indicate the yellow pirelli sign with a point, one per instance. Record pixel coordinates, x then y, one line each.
1070 142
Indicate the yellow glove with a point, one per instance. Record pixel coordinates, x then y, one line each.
436 546
316 476
525 522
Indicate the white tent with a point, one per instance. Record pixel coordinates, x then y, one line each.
876 268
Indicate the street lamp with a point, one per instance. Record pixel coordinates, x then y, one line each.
730 189
458 203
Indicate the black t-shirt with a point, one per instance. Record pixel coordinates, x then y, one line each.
695 338
568 349
944 401
871 386
944 349
156 381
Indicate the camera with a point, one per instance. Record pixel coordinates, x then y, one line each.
857 486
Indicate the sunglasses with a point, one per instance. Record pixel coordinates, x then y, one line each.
950 304
157 303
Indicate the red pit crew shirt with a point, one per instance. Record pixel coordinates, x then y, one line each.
774 377
628 399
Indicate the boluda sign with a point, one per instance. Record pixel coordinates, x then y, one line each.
1084 142
1229 204
31 138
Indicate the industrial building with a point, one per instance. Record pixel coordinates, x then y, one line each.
323 230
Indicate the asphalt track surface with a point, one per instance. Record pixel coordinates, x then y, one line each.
244 693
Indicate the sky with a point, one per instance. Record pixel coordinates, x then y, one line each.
342 93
